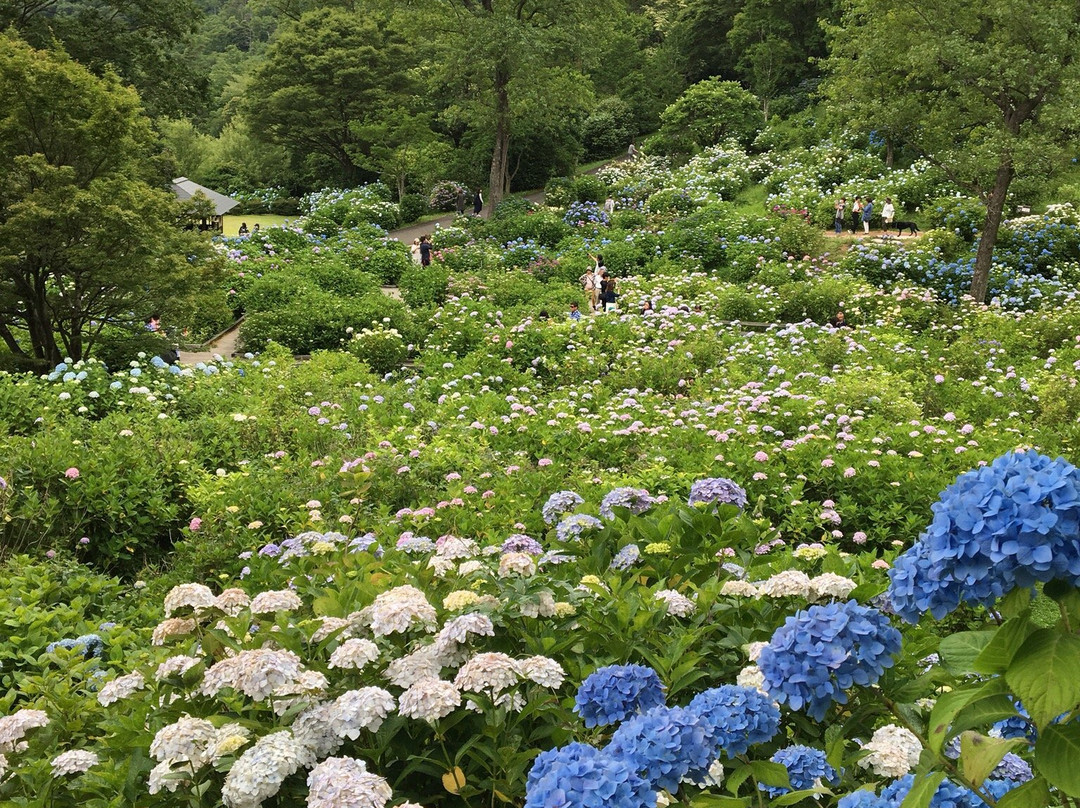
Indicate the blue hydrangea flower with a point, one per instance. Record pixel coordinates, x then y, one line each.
805 766
737 717
863 799
818 654
616 692
1010 524
718 490
1012 767
571 528
91 645
559 503
663 745
1018 726
626 557
409 543
582 776
948 794
635 500
520 543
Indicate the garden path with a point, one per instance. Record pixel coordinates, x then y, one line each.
224 345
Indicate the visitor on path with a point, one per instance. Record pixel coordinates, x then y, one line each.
632 152
867 214
575 312
609 206
425 251
153 324
243 231
478 202
414 250
608 295
841 206
459 203
590 285
888 213
856 213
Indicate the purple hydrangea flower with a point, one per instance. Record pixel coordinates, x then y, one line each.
626 557
635 500
559 503
571 528
520 543
719 490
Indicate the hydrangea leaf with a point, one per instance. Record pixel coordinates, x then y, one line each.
959 651
1032 794
1056 753
1007 640
922 791
950 704
1043 674
454 780
770 774
979 754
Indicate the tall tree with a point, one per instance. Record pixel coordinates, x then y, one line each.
988 90
328 77
85 238
139 39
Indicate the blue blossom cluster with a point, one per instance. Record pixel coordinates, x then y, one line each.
717 490
736 717
626 557
571 528
91 645
583 776
664 744
559 503
1012 767
635 500
1010 524
818 654
580 214
616 692
410 543
520 543
806 768
948 795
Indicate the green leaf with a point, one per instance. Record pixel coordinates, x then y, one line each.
736 778
1044 674
943 716
1056 754
923 790
771 774
959 651
1058 589
1032 794
979 754
1007 640
793 797
718 801
1015 603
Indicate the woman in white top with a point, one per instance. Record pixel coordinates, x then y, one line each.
414 251
888 213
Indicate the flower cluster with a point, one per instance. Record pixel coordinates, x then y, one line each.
1006 525
614 693
736 717
892 751
583 776
806 767
717 490
635 500
664 744
559 503
819 653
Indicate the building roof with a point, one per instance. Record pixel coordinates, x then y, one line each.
186 189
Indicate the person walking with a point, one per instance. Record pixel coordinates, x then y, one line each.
608 295
589 285
459 203
888 213
609 206
838 221
425 251
478 202
867 214
856 213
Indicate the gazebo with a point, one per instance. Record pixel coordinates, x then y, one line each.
188 189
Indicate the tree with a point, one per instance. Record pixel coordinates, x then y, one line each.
988 90
325 78
709 112
139 39
85 239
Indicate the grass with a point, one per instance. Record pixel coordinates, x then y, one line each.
231 224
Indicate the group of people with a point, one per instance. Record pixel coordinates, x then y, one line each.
862 212
461 201
421 251
599 286
243 231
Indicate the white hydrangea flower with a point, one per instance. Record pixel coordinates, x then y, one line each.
355 653
739 589
228 740
172 627
120 688
423 663
280 600
76 761
543 606
398 610
355 710
789 583
676 603
312 729
894 751
3 766
175 666
751 676
257 673
543 670
489 673
521 564
162 776
328 626
184 741
307 688
189 596
232 601
830 585
346 783
258 774
443 566
460 600
457 630
429 700
13 727
455 548
469 567
753 650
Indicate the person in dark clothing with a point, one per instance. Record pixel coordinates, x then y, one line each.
425 251
460 202
478 202
838 320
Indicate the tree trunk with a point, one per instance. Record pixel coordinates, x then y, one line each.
888 153
995 205
500 155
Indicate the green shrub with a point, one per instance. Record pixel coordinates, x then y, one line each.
388 262
116 348
423 286
588 188
381 349
559 192
413 206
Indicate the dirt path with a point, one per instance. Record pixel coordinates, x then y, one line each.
223 345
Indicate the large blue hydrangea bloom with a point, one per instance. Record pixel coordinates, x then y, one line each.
948 794
737 717
635 500
571 528
617 692
818 654
720 490
91 645
1010 524
582 776
805 766
559 503
663 745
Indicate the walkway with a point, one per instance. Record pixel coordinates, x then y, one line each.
223 345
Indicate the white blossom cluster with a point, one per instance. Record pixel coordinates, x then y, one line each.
355 653
398 610
423 663
739 589
76 761
429 700
456 632
172 627
232 601
281 600
328 625
894 751
830 585
13 727
175 666
676 603
120 688
543 606
258 773
489 673
355 710
196 597
519 564
346 783
543 670
257 673
789 583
